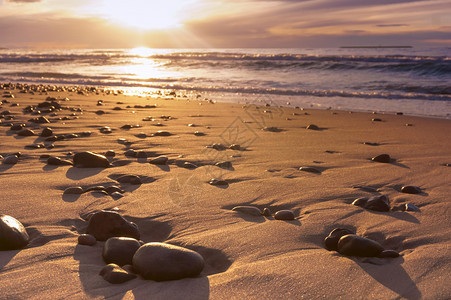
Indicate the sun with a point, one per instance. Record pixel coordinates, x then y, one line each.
145 14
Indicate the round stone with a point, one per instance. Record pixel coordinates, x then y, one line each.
110 153
13 235
161 262
354 245
331 241
410 189
87 239
10 160
76 190
88 159
249 210
106 224
160 160
120 250
46 132
115 274
286 215
383 158
25 132
312 127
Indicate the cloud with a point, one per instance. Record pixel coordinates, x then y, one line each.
392 25
24 1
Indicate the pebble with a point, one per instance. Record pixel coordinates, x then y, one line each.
130 153
271 129
312 127
162 133
141 135
217 146
266 212
110 153
310 169
46 132
77 190
141 154
161 262
160 160
105 130
114 189
120 250
410 189
224 164
218 182
56 161
115 274
89 159
249 210
25 132
331 241
189 165
13 235
287 215
376 203
17 127
97 188
106 224
116 195
376 120
10 160
411 207
235 147
87 239
198 133
382 158
354 245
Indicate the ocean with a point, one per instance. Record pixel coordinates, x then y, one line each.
410 80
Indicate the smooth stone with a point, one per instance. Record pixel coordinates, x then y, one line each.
10 160
13 235
25 132
310 170
120 250
389 254
110 153
383 158
217 146
271 129
116 195
141 135
141 154
113 189
249 210
198 133
354 245
132 179
224 164
266 212
96 188
235 147
188 165
411 207
410 189
376 120
17 127
88 159
312 127
77 190
162 133
106 224
56 161
160 160
46 132
87 239
286 215
331 241
130 153
161 262
218 182
115 274
376 203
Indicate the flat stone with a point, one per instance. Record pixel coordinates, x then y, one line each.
87 239
224 164
162 133
249 210
120 250
199 133
56 161
116 195
161 262
10 160
13 235
132 179
286 215
160 160
410 189
383 158
389 253
113 189
310 170
115 274
76 190
235 147
188 165
106 224
89 159
218 182
25 132
312 127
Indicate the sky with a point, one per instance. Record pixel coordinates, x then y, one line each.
223 23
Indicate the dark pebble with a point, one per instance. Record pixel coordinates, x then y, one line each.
383 158
410 189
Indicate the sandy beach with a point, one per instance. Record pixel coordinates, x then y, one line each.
246 256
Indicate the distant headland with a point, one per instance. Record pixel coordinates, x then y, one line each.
376 47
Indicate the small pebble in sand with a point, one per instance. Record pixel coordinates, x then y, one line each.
120 250
376 203
100 112
106 224
235 147
198 133
130 153
141 135
162 133
89 159
376 120
218 182
10 160
382 158
411 207
249 210
132 179
87 239
116 195
224 164
115 274
105 130
114 189
312 127
13 235
17 127
161 262
266 212
110 153
96 188
46 132
76 190
408 124
310 170
141 154
160 160
189 165
286 215
371 144
56 161
410 189
191 125
25 132
271 129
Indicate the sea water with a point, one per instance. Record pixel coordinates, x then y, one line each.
415 81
